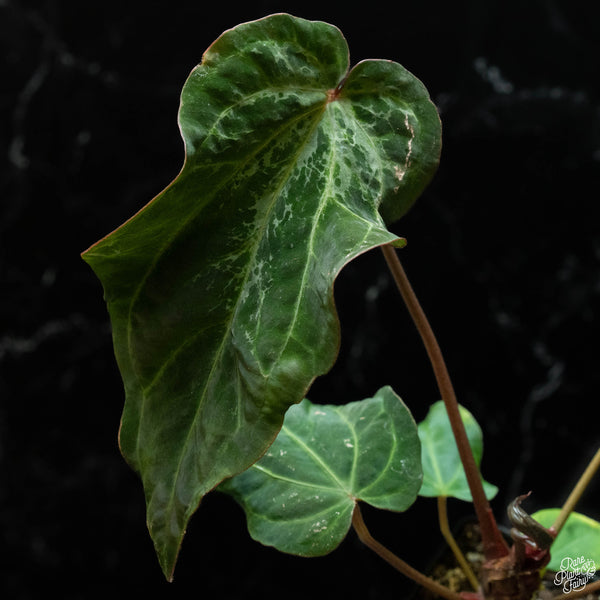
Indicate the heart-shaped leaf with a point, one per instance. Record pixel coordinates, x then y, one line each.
220 290
578 539
443 472
299 497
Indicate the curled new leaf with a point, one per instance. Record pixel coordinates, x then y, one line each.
300 496
220 290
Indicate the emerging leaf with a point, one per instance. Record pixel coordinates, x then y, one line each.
443 472
579 538
220 290
300 496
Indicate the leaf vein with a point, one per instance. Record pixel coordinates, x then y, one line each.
317 459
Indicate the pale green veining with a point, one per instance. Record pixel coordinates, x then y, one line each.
220 290
300 495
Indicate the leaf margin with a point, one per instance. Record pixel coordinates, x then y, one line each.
271 527
128 369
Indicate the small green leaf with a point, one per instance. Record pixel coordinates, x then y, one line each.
443 472
579 538
220 290
300 496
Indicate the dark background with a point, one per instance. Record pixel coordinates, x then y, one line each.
503 250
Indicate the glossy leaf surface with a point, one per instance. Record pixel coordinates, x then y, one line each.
443 472
579 538
299 497
220 290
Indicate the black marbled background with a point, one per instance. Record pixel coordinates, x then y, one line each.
503 249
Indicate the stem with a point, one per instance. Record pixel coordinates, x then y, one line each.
367 539
460 557
494 545
574 496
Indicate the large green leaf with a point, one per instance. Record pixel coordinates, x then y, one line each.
220 290
578 539
443 472
300 496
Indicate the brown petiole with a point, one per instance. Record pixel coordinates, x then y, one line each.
368 540
494 546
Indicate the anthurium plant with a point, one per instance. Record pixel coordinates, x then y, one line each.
220 295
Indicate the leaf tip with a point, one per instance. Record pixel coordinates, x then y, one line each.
167 564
